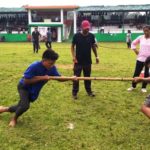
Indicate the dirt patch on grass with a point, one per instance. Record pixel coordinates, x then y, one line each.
66 66
70 66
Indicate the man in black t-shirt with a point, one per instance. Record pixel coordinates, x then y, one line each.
81 52
35 40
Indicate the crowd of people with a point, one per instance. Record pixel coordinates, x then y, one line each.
14 23
111 19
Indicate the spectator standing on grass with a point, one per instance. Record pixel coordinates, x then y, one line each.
146 106
142 54
35 39
82 44
48 39
128 39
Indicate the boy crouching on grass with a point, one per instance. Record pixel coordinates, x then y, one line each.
146 106
35 77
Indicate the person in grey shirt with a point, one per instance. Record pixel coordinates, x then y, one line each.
128 39
48 39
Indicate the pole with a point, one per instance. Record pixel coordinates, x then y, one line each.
123 30
91 78
74 21
146 20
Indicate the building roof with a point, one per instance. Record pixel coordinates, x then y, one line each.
12 10
116 8
66 7
81 9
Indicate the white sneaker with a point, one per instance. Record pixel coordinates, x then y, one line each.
143 90
130 89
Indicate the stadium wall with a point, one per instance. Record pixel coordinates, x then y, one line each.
14 37
118 37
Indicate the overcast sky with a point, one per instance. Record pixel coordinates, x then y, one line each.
19 3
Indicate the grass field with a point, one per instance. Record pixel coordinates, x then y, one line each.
110 121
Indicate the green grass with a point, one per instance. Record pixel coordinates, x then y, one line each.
110 121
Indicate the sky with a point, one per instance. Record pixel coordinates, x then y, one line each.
19 3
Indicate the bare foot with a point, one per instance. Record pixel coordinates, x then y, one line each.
13 123
3 109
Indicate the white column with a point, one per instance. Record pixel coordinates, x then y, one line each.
59 34
62 21
29 17
74 21
62 15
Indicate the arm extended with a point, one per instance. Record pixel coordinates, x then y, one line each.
43 78
140 79
36 79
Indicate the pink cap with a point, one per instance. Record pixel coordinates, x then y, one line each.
85 24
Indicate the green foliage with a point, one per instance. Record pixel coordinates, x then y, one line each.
110 121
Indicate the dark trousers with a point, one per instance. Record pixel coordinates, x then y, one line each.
86 72
36 46
138 69
129 44
48 44
24 103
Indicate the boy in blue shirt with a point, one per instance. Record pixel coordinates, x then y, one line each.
35 77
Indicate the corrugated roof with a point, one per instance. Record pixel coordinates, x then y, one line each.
116 8
52 7
87 8
6 10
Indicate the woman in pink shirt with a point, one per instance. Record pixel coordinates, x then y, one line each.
142 54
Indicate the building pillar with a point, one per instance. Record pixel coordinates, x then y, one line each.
29 17
62 21
123 29
74 21
146 19
59 34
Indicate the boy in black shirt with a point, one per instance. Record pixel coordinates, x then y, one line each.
35 40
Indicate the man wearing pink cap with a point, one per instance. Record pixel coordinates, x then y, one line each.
82 44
